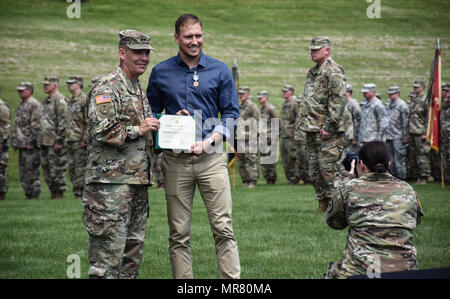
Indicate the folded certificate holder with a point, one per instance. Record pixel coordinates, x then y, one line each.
175 132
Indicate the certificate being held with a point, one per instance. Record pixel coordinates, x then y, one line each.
175 132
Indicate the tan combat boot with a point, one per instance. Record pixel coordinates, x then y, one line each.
323 205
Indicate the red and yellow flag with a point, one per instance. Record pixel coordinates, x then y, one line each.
435 102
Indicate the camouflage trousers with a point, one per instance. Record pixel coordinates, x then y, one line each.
269 171
77 159
115 216
248 167
54 166
29 171
301 161
398 158
323 157
445 157
4 154
418 158
288 157
435 164
156 169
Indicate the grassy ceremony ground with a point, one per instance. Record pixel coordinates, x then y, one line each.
278 234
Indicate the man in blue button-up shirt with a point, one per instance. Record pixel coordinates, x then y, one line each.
192 83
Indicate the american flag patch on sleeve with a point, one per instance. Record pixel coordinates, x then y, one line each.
103 98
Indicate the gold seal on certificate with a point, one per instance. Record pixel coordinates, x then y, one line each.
175 132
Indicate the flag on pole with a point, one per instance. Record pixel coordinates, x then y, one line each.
232 156
434 101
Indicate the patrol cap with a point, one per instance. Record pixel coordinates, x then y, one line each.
243 89
287 88
75 79
349 87
263 93
446 86
369 87
134 40
319 42
50 79
24 86
393 89
418 83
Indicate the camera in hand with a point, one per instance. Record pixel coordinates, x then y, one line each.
349 158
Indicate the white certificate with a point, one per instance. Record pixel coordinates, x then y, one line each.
176 132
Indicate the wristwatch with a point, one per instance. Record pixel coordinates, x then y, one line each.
211 141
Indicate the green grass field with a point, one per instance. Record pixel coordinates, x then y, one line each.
278 234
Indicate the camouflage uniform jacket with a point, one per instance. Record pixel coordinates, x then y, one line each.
398 114
27 123
374 122
249 112
267 113
418 109
77 118
116 152
355 109
381 212
289 111
54 120
5 119
444 119
323 98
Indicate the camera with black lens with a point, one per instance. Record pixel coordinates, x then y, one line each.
349 158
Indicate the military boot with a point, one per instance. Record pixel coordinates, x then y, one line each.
2 196
323 205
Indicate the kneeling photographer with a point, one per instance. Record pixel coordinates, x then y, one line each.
381 212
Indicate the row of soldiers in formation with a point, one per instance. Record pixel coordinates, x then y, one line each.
52 134
401 125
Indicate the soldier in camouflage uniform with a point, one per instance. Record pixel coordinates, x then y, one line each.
76 137
321 117
374 121
355 110
117 178
5 119
268 112
398 113
246 135
157 173
444 131
54 122
288 115
381 213
301 157
27 125
418 148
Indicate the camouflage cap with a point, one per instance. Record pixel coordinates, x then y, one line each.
244 89
418 83
369 87
349 87
134 40
263 93
50 79
393 89
24 86
75 79
446 86
288 87
319 42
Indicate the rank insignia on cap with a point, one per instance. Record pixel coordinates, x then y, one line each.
104 98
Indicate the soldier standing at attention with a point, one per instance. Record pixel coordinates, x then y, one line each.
321 118
5 119
27 125
248 121
444 131
419 149
117 176
54 122
268 112
373 117
76 134
398 113
355 109
301 157
381 213
289 111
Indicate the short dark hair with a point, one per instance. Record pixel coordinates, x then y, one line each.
183 19
376 156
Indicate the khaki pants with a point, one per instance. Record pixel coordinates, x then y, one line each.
182 173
